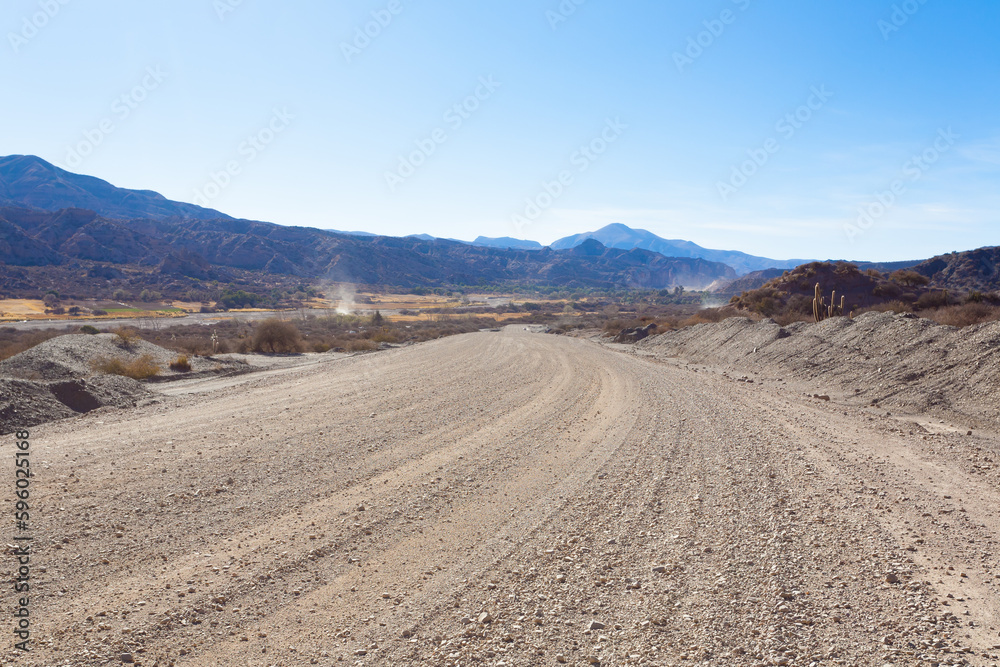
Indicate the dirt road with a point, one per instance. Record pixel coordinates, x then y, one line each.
510 499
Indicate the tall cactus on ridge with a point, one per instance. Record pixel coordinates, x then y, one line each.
821 310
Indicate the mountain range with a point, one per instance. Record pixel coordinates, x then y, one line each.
31 182
53 218
620 236
212 249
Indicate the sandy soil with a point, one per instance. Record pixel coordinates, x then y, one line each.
511 498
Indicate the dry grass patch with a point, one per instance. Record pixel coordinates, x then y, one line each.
181 364
142 368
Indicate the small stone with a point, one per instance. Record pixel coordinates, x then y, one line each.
127 658
485 618
595 625
660 569
891 579
560 658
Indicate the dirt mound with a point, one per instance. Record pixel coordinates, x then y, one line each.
56 379
26 403
880 358
72 356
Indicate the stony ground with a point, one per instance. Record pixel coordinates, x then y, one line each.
512 499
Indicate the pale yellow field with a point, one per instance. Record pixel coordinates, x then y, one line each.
21 308
438 317
190 306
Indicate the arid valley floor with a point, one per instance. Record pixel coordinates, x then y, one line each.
513 498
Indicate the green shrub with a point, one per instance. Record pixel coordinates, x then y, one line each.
87 329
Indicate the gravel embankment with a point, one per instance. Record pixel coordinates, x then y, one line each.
57 379
883 359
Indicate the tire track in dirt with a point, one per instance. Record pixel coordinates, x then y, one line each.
368 510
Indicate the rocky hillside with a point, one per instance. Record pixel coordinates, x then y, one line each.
975 270
792 292
750 281
92 246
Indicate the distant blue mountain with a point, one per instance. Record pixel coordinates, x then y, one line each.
625 238
507 242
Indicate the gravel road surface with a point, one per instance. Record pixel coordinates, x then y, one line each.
511 499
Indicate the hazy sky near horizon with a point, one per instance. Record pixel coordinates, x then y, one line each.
862 129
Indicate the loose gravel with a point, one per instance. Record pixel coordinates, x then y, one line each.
512 499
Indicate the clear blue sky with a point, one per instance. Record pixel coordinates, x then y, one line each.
668 120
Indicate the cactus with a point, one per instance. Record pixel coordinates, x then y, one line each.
821 310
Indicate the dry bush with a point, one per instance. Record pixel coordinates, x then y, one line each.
909 278
19 341
887 307
932 300
181 364
126 338
613 326
386 337
193 345
712 315
276 337
361 345
964 315
138 369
